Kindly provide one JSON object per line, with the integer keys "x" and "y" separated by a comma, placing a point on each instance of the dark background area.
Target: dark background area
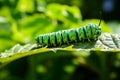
{"x": 90, "y": 8}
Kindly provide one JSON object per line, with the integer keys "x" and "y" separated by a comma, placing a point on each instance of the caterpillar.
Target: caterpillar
{"x": 54, "y": 39}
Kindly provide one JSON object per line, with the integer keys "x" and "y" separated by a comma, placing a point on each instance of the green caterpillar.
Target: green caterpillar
{"x": 86, "y": 33}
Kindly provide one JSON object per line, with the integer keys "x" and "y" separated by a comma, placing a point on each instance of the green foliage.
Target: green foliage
{"x": 25, "y": 5}
{"x": 66, "y": 14}
{"x": 98, "y": 57}
{"x": 22, "y": 20}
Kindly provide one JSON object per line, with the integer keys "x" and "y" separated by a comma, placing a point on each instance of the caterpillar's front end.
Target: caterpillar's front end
{"x": 97, "y": 32}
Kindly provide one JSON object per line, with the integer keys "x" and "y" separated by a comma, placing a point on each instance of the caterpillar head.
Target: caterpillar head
{"x": 95, "y": 30}
{"x": 98, "y": 30}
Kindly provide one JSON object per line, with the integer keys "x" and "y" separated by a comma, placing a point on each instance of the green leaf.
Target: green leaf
{"x": 106, "y": 42}
{"x": 66, "y": 14}
{"x": 25, "y": 6}
{"x": 115, "y": 26}
{"x": 34, "y": 25}
{"x": 6, "y": 43}
{"x": 5, "y": 34}
{"x": 5, "y": 28}
{"x": 97, "y": 56}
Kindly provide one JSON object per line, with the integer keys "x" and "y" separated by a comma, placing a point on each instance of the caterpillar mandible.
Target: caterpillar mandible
{"x": 54, "y": 39}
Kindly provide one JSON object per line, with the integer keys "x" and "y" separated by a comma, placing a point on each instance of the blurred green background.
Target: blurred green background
{"x": 22, "y": 20}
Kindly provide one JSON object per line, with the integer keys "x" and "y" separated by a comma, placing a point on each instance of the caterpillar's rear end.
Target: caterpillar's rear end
{"x": 86, "y": 33}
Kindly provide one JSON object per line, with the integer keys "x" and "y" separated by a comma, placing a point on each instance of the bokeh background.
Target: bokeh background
{"x": 22, "y": 20}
